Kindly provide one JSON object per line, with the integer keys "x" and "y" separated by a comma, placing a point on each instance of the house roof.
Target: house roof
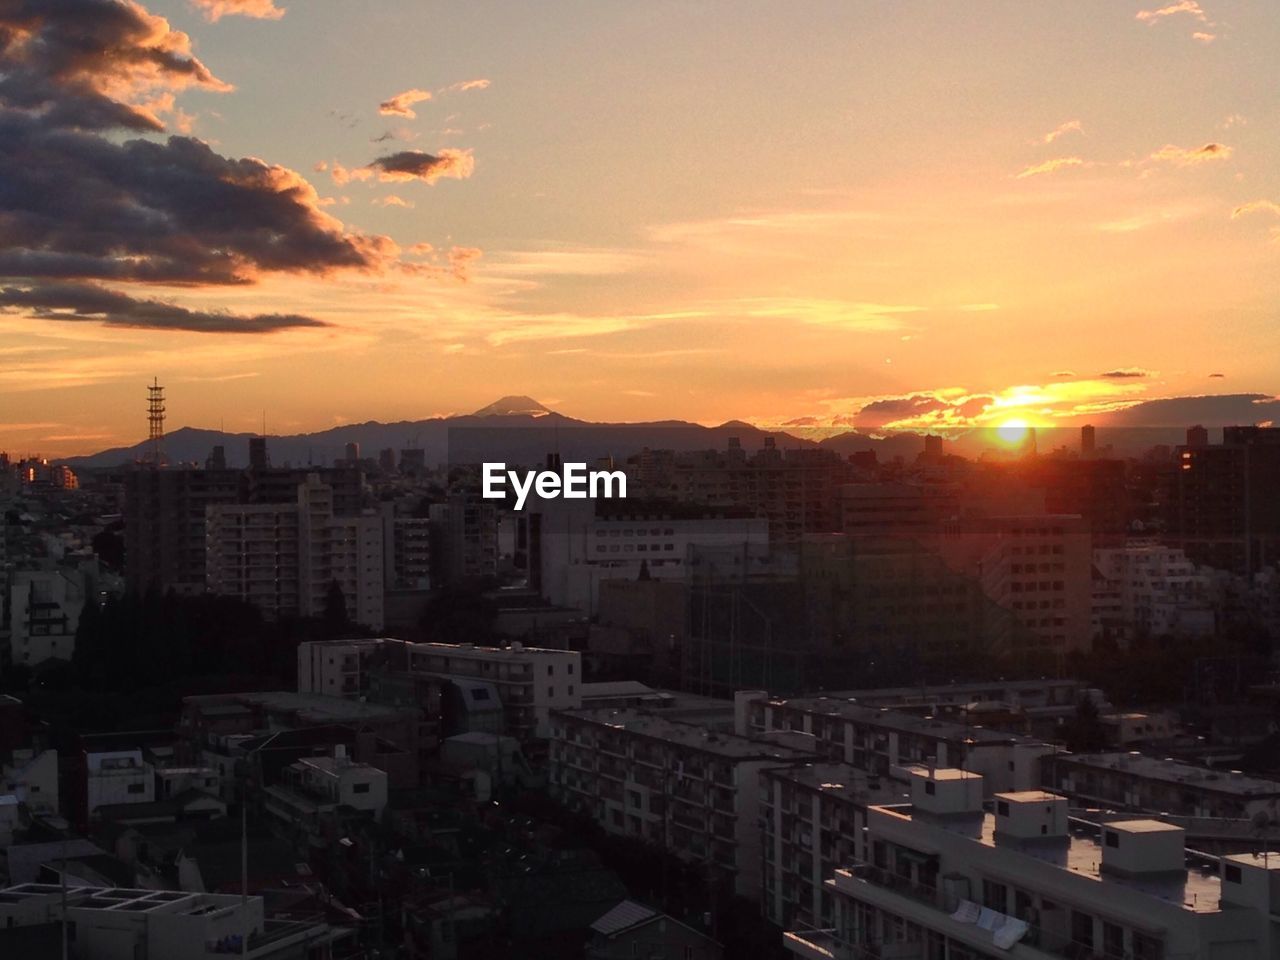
{"x": 626, "y": 914}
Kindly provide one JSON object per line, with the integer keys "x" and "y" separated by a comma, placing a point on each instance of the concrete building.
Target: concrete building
{"x": 32, "y": 778}
{"x": 1131, "y": 781}
{"x": 1037, "y": 566}
{"x": 632, "y": 930}
{"x": 317, "y": 794}
{"x": 895, "y": 511}
{"x": 43, "y": 612}
{"x": 1160, "y": 591}
{"x": 117, "y": 777}
{"x": 891, "y": 744}
{"x": 813, "y": 819}
{"x": 336, "y": 668}
{"x": 581, "y": 544}
{"x": 948, "y": 880}
{"x": 121, "y": 924}
{"x": 676, "y": 785}
{"x": 283, "y": 558}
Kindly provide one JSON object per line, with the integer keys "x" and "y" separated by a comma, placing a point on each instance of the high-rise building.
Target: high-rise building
{"x": 284, "y": 558}
{"x": 258, "y": 459}
{"x": 1088, "y": 440}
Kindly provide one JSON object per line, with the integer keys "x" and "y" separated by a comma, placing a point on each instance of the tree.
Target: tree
{"x": 335, "y": 618}
{"x": 1085, "y": 732}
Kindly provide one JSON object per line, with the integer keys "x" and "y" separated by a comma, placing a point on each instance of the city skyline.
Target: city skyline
{"x": 893, "y": 218}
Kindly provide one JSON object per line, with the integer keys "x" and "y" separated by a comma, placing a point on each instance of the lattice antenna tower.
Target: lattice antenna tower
{"x": 155, "y": 421}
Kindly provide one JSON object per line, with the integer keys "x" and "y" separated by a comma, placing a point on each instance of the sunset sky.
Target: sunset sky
{"x": 910, "y": 214}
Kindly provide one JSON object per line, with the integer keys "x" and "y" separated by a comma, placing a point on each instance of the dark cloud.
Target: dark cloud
{"x": 94, "y": 64}
{"x": 86, "y": 301}
{"x": 1214, "y": 376}
{"x": 420, "y": 165}
{"x": 77, "y": 203}
{"x": 1125, "y": 373}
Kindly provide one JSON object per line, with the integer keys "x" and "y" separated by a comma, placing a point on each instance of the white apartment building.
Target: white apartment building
{"x": 948, "y": 880}
{"x": 1132, "y": 781}
{"x": 337, "y": 668}
{"x": 813, "y": 819}
{"x": 531, "y": 681}
{"x": 32, "y": 778}
{"x": 283, "y": 557}
{"x": 120, "y": 924}
{"x": 579, "y": 547}
{"x": 42, "y": 613}
{"x": 313, "y": 790}
{"x": 690, "y": 790}
{"x": 890, "y": 743}
{"x": 118, "y": 776}
{"x": 1158, "y": 591}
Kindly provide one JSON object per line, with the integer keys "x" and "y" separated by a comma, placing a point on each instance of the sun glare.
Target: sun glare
{"x": 1013, "y": 433}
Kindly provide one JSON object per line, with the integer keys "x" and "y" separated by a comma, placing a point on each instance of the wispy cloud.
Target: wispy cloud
{"x": 401, "y": 105}
{"x": 391, "y": 200}
{"x": 215, "y": 10}
{"x": 1203, "y": 37}
{"x": 847, "y": 315}
{"x": 1189, "y": 7}
{"x": 1071, "y": 126}
{"x": 1050, "y": 166}
{"x": 1126, "y": 373}
{"x": 465, "y": 85}
{"x": 1190, "y": 156}
{"x": 1255, "y": 206}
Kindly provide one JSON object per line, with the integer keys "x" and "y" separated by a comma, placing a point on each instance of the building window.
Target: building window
{"x": 360, "y": 788}
{"x": 1231, "y": 873}
{"x": 1113, "y": 839}
{"x": 930, "y": 787}
{"x": 137, "y": 788}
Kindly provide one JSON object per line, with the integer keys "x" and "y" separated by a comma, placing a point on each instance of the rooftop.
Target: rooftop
{"x": 1175, "y": 771}
{"x": 840, "y": 779}
{"x": 314, "y": 707}
{"x": 1198, "y": 889}
{"x": 686, "y": 734}
{"x": 898, "y": 720}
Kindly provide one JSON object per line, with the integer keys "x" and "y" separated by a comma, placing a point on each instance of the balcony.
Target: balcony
{"x": 813, "y": 944}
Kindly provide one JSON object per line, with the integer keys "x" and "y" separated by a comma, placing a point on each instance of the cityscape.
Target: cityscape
{"x": 667, "y": 481}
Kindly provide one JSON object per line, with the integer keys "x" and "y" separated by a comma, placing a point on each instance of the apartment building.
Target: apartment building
{"x": 31, "y": 776}
{"x": 1131, "y": 781}
{"x": 336, "y": 668}
{"x": 530, "y": 681}
{"x": 813, "y": 819}
{"x": 581, "y": 544}
{"x": 42, "y": 613}
{"x": 1159, "y": 590}
{"x": 168, "y": 924}
{"x": 116, "y": 777}
{"x": 690, "y": 790}
{"x": 1037, "y": 566}
{"x": 947, "y": 879}
{"x": 318, "y": 794}
{"x": 889, "y": 743}
{"x": 284, "y": 558}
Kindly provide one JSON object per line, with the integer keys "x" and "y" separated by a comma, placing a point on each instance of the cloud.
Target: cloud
{"x": 1255, "y": 206}
{"x": 94, "y": 64}
{"x": 1216, "y": 376}
{"x": 1126, "y": 373}
{"x": 1190, "y": 157}
{"x": 1189, "y": 7}
{"x": 848, "y": 315}
{"x": 1063, "y": 373}
{"x": 465, "y": 85}
{"x": 90, "y": 302}
{"x": 401, "y": 105}
{"x": 80, "y": 206}
{"x": 1050, "y": 166}
{"x": 419, "y": 165}
{"x": 1071, "y": 126}
{"x": 215, "y": 10}
{"x": 391, "y": 200}
{"x": 1204, "y": 37}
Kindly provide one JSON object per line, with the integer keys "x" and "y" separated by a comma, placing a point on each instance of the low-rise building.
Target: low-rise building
{"x": 167, "y": 924}
{"x": 32, "y": 777}
{"x": 117, "y": 776}
{"x": 889, "y": 743}
{"x": 1131, "y": 781}
{"x": 690, "y": 790}
{"x": 948, "y": 879}
{"x": 813, "y": 819}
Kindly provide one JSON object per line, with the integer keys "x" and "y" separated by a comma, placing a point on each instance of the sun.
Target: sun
{"x": 1013, "y": 433}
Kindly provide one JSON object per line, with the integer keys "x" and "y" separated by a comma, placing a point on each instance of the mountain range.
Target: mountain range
{"x": 520, "y": 430}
